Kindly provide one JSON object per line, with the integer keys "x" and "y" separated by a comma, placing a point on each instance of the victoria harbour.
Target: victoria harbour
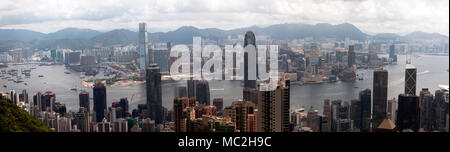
{"x": 302, "y": 96}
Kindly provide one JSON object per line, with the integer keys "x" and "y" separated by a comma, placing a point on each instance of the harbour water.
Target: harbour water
{"x": 431, "y": 72}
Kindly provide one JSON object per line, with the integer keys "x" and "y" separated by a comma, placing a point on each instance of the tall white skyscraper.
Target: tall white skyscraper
{"x": 143, "y": 46}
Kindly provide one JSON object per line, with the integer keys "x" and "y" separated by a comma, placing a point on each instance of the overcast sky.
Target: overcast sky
{"x": 371, "y": 16}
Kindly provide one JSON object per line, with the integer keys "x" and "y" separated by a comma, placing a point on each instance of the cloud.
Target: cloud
{"x": 374, "y": 16}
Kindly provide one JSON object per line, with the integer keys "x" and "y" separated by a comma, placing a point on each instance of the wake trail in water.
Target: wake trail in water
{"x": 424, "y": 72}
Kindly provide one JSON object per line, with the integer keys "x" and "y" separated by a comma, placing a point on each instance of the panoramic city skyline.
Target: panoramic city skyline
{"x": 219, "y": 75}
{"x": 286, "y": 77}
{"x": 370, "y": 16}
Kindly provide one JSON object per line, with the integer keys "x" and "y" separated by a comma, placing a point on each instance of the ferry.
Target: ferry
{"x": 67, "y": 72}
{"x": 74, "y": 89}
{"x": 41, "y": 76}
{"x": 444, "y": 87}
{"x": 300, "y": 110}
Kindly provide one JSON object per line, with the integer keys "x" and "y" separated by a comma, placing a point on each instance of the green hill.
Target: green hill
{"x": 14, "y": 119}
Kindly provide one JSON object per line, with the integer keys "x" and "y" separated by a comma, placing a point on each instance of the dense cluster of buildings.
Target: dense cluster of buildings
{"x": 270, "y": 113}
{"x": 310, "y": 64}
{"x": 373, "y": 112}
{"x": 15, "y": 55}
{"x": 257, "y": 111}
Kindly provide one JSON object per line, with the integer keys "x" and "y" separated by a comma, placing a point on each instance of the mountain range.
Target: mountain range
{"x": 76, "y": 38}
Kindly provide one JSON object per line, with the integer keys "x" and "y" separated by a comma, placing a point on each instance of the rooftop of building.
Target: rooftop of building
{"x": 387, "y": 124}
{"x": 410, "y": 66}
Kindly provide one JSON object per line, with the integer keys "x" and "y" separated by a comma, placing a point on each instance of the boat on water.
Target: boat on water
{"x": 74, "y": 89}
{"x": 302, "y": 109}
{"x": 444, "y": 87}
{"x": 5, "y": 86}
{"x": 25, "y": 84}
{"x": 41, "y": 76}
{"x": 67, "y": 72}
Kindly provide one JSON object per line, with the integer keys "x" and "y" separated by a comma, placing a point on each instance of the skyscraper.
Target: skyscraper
{"x": 177, "y": 113}
{"x": 410, "y": 79}
{"x": 179, "y": 104}
{"x": 313, "y": 120}
{"x": 81, "y": 119}
{"x": 335, "y": 106}
{"x": 242, "y": 109}
{"x": 24, "y": 96}
{"x": 191, "y": 87}
{"x": 121, "y": 108}
{"x": 441, "y": 101}
{"x": 249, "y": 40}
{"x": 99, "y": 101}
{"x": 365, "y": 98}
{"x": 392, "y": 109}
{"x": 341, "y": 116}
{"x": 392, "y": 53}
{"x": 351, "y": 56}
{"x": 380, "y": 88}
{"x": 49, "y": 100}
{"x": 252, "y": 121}
{"x": 154, "y": 99}
{"x": 408, "y": 112}
{"x": 314, "y": 58}
{"x": 355, "y": 112}
{"x": 143, "y": 46}
{"x": 327, "y": 113}
{"x": 202, "y": 92}
{"x": 250, "y": 94}
{"x": 84, "y": 100}
{"x": 160, "y": 56}
{"x": 218, "y": 102}
{"x": 37, "y": 99}
{"x": 427, "y": 109}
{"x": 273, "y": 109}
